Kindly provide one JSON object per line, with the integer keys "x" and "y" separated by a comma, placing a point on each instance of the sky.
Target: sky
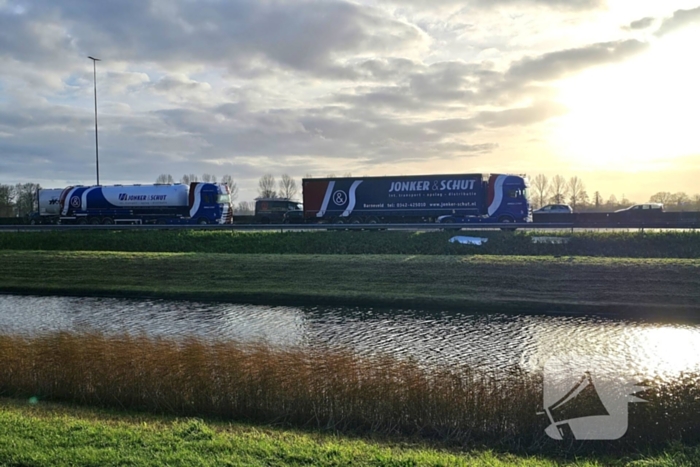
{"x": 606, "y": 90}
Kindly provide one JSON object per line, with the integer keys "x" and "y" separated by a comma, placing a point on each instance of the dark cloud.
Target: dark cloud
{"x": 680, "y": 19}
{"x": 641, "y": 23}
{"x": 303, "y": 35}
{"x": 563, "y": 63}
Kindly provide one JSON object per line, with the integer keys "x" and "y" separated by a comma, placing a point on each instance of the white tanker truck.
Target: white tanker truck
{"x": 198, "y": 203}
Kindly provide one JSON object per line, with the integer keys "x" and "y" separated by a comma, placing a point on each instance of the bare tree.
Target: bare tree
{"x": 347, "y": 174}
{"x": 266, "y": 186}
{"x": 208, "y": 178}
{"x": 308, "y": 176}
{"x": 287, "y": 187}
{"x": 661, "y": 197}
{"x": 541, "y": 186}
{"x": 165, "y": 179}
{"x": 7, "y": 196}
{"x": 232, "y": 186}
{"x": 577, "y": 192}
{"x": 244, "y": 207}
{"x": 558, "y": 189}
{"x": 26, "y": 198}
{"x": 187, "y": 179}
{"x": 611, "y": 203}
{"x": 330, "y": 175}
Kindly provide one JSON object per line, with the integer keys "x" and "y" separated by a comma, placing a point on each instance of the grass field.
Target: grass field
{"x": 60, "y": 435}
{"x": 607, "y": 244}
{"x": 500, "y": 283}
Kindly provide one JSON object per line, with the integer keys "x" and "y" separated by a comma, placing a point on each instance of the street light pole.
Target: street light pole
{"x": 97, "y": 154}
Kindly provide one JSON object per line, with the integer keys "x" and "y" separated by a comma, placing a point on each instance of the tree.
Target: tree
{"x": 287, "y": 187}
{"x": 232, "y": 186}
{"x": 244, "y": 207}
{"x": 266, "y": 186}
{"x": 661, "y": 197}
{"x": 187, "y": 179}
{"x": 209, "y": 178}
{"x": 611, "y": 203}
{"x": 597, "y": 199}
{"x": 577, "y": 192}
{"x": 165, "y": 179}
{"x": 26, "y": 198}
{"x": 680, "y": 199}
{"x": 541, "y": 185}
{"x": 7, "y": 197}
{"x": 558, "y": 189}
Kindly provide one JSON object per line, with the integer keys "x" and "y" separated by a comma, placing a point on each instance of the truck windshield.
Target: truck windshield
{"x": 223, "y": 199}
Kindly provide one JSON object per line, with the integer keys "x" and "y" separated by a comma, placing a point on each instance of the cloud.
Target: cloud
{"x": 553, "y": 4}
{"x": 304, "y": 35}
{"x": 642, "y": 23}
{"x": 680, "y": 19}
{"x": 555, "y": 65}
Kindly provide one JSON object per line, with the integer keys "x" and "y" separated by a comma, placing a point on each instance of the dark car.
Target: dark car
{"x": 273, "y": 210}
{"x": 555, "y": 209}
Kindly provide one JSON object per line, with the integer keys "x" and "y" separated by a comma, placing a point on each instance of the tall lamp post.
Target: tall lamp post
{"x": 94, "y": 80}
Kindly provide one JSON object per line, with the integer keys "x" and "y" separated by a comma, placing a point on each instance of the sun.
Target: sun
{"x": 638, "y": 115}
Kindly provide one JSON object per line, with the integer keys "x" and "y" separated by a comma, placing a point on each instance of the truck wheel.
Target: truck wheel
{"x": 32, "y": 222}
{"x": 203, "y": 221}
{"x": 339, "y": 220}
{"x": 82, "y": 221}
{"x": 506, "y": 220}
{"x": 94, "y": 220}
{"x": 108, "y": 221}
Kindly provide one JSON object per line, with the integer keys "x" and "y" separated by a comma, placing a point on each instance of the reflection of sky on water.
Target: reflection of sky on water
{"x": 489, "y": 341}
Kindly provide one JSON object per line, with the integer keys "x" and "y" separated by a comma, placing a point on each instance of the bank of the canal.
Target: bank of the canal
{"x": 665, "y": 287}
{"x": 45, "y": 434}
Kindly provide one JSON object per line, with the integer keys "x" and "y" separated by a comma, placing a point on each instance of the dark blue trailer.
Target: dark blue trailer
{"x": 417, "y": 198}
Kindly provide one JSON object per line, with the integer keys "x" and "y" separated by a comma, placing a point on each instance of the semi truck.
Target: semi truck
{"x": 196, "y": 203}
{"x": 49, "y": 206}
{"x": 450, "y": 198}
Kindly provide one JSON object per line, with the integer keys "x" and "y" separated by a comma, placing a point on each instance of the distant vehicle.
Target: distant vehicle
{"x": 646, "y": 208}
{"x": 198, "y": 203}
{"x": 275, "y": 210}
{"x": 49, "y": 206}
{"x": 555, "y": 209}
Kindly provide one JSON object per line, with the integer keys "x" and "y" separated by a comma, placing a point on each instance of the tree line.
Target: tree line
{"x": 559, "y": 190}
{"x": 18, "y": 200}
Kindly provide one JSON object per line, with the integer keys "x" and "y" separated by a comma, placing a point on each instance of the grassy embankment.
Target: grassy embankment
{"x": 55, "y": 435}
{"x": 499, "y": 283}
{"x": 606, "y": 244}
{"x": 317, "y": 389}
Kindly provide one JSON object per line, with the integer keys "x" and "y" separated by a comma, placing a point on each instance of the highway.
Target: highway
{"x": 409, "y": 227}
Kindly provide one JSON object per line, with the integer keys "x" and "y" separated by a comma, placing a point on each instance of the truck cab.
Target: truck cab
{"x": 277, "y": 211}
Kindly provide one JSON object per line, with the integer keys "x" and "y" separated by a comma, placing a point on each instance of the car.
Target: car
{"x": 555, "y": 209}
{"x": 642, "y": 209}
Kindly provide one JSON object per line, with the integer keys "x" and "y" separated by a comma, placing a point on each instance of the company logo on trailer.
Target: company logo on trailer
{"x": 127, "y": 197}
{"x": 425, "y": 185}
{"x": 75, "y": 201}
{"x": 340, "y": 198}
{"x": 53, "y": 201}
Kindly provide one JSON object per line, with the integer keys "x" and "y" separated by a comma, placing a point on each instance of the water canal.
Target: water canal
{"x": 488, "y": 341}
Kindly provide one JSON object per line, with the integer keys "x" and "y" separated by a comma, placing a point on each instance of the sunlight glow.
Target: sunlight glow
{"x": 638, "y": 115}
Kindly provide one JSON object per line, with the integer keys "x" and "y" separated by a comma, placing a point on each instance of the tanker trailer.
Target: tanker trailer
{"x": 198, "y": 203}
{"x": 49, "y": 206}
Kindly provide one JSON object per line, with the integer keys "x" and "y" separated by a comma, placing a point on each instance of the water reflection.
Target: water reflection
{"x": 491, "y": 341}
